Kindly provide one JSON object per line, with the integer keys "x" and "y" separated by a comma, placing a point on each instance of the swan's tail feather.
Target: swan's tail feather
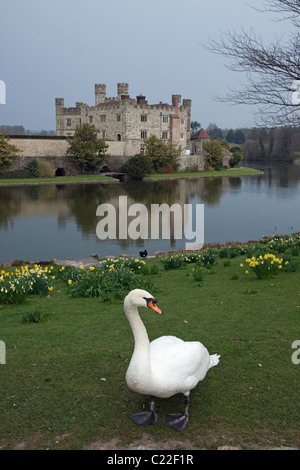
{"x": 214, "y": 360}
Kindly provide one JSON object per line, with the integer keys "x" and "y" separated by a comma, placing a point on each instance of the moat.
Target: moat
{"x": 58, "y": 221}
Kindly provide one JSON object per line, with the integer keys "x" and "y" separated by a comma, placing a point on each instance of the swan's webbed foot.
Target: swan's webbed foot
{"x": 177, "y": 421}
{"x": 147, "y": 417}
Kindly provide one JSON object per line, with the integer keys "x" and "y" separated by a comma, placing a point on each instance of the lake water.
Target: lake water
{"x": 58, "y": 221}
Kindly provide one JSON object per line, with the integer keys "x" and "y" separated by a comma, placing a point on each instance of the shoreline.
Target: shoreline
{"x": 242, "y": 171}
{"x": 230, "y": 172}
{"x": 58, "y": 182}
{"x": 93, "y": 259}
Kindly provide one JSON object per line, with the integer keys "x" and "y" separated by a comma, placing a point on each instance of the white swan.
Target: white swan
{"x": 165, "y": 366}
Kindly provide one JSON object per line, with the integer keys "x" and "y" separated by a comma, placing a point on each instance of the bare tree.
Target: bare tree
{"x": 272, "y": 71}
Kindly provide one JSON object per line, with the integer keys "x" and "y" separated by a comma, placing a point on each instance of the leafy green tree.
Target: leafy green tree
{"x": 7, "y": 151}
{"x": 239, "y": 137}
{"x": 161, "y": 154}
{"x": 214, "y": 132}
{"x": 137, "y": 167}
{"x": 32, "y": 168}
{"x": 214, "y": 151}
{"x": 86, "y": 149}
{"x": 236, "y": 137}
{"x": 195, "y": 126}
{"x": 236, "y": 156}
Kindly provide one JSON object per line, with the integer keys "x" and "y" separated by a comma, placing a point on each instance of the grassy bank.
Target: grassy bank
{"x": 95, "y": 178}
{"x": 57, "y": 179}
{"x": 63, "y": 384}
{"x": 243, "y": 171}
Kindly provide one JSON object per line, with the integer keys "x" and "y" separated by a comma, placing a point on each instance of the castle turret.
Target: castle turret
{"x": 122, "y": 90}
{"x": 100, "y": 93}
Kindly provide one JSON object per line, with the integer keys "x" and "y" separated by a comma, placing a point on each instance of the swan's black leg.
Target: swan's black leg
{"x": 147, "y": 417}
{"x": 179, "y": 421}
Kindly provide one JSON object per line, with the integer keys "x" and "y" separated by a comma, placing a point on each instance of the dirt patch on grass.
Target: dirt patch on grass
{"x": 148, "y": 443}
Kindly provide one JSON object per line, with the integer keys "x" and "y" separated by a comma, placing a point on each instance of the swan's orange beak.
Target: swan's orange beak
{"x": 154, "y": 307}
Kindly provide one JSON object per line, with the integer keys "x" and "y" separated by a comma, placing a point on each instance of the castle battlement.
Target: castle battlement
{"x": 129, "y": 120}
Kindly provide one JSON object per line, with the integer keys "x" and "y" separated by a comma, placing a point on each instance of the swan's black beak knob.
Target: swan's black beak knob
{"x": 151, "y": 303}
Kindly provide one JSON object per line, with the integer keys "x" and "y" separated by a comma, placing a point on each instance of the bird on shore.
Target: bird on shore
{"x": 164, "y": 367}
{"x": 143, "y": 254}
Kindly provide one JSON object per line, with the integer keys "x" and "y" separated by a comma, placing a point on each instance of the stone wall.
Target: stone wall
{"x": 53, "y": 150}
{"x": 191, "y": 162}
{"x": 50, "y": 149}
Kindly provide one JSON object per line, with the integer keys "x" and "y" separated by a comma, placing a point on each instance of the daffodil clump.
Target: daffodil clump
{"x": 265, "y": 266}
{"x": 110, "y": 282}
{"x": 16, "y": 285}
{"x": 134, "y": 265}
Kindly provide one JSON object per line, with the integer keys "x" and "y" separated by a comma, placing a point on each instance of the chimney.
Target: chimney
{"x": 176, "y": 99}
{"x": 141, "y": 100}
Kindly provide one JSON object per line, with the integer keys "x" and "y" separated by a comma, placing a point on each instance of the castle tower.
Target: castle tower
{"x": 100, "y": 93}
{"x": 122, "y": 90}
{"x": 59, "y": 107}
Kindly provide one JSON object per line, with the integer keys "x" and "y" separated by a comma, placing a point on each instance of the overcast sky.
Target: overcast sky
{"x": 61, "y": 48}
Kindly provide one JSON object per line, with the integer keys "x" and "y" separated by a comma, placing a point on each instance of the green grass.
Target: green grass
{"x": 242, "y": 171}
{"x": 94, "y": 178}
{"x": 58, "y": 179}
{"x": 51, "y": 383}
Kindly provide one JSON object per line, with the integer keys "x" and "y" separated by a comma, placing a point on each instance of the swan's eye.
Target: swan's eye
{"x": 151, "y": 303}
{"x": 150, "y": 299}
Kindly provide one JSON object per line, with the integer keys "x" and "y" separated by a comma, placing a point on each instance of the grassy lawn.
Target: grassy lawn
{"x": 58, "y": 179}
{"x": 63, "y": 384}
{"x": 243, "y": 171}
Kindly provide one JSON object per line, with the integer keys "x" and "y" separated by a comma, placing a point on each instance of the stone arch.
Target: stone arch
{"x": 105, "y": 169}
{"x": 60, "y": 172}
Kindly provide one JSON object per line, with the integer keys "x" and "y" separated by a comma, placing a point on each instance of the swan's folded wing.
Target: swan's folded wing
{"x": 180, "y": 363}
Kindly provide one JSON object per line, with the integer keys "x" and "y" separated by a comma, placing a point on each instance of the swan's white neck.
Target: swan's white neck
{"x": 140, "y": 360}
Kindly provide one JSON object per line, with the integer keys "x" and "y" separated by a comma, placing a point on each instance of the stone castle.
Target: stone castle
{"x": 125, "y": 122}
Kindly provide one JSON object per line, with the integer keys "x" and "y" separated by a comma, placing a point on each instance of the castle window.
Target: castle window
{"x": 182, "y": 122}
{"x": 165, "y": 119}
{"x": 69, "y": 121}
{"x": 118, "y": 117}
{"x": 164, "y": 135}
{"x": 103, "y": 118}
{"x": 103, "y": 133}
{"x": 119, "y": 137}
{"x": 144, "y": 117}
{"x": 142, "y": 149}
{"x": 91, "y": 119}
{"x": 182, "y": 136}
{"x": 143, "y": 134}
